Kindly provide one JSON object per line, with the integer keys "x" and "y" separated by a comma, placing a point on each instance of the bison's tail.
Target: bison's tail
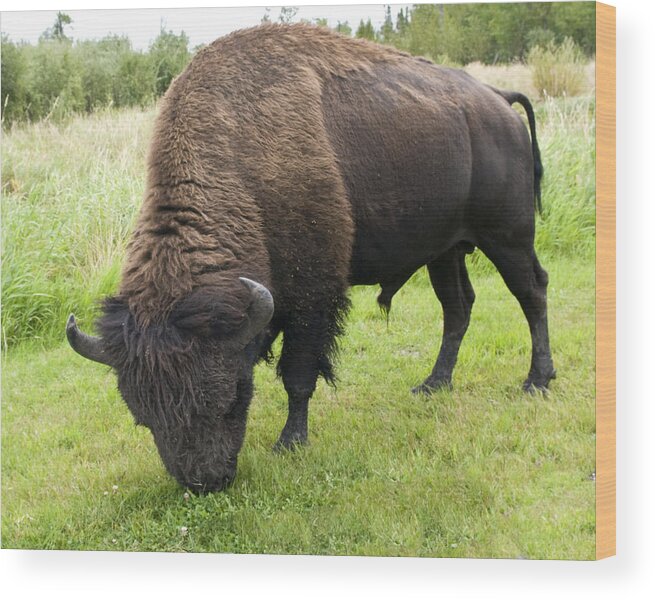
{"x": 511, "y": 98}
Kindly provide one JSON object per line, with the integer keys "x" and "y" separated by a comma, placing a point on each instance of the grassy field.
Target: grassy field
{"x": 485, "y": 470}
{"x": 482, "y": 471}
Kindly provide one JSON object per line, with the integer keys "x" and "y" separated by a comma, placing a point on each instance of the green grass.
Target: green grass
{"x": 484, "y": 470}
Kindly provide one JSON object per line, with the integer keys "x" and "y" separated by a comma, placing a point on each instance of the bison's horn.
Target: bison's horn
{"x": 88, "y": 346}
{"x": 261, "y": 308}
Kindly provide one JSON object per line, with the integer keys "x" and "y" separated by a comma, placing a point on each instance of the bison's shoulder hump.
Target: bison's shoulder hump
{"x": 299, "y": 45}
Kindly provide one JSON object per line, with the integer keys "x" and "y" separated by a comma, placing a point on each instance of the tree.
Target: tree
{"x": 169, "y": 54}
{"x": 489, "y": 33}
{"x": 402, "y": 21}
{"x": 58, "y": 27}
{"x": 55, "y": 81}
{"x": 56, "y": 32}
{"x": 287, "y": 14}
{"x": 387, "y": 31}
{"x": 344, "y": 28}
{"x": 365, "y": 30}
{"x": 134, "y": 82}
{"x": 576, "y": 20}
{"x": 424, "y": 31}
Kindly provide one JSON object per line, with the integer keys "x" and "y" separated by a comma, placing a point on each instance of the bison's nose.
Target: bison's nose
{"x": 210, "y": 485}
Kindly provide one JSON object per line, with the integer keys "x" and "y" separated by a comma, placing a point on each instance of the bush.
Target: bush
{"x": 169, "y": 55}
{"x": 55, "y": 87}
{"x": 13, "y": 77}
{"x": 539, "y": 37}
{"x": 58, "y": 77}
{"x": 135, "y": 83}
{"x": 557, "y": 70}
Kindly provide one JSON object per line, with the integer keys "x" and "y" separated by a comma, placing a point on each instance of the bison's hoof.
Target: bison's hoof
{"x": 290, "y": 443}
{"x": 532, "y": 387}
{"x": 428, "y": 386}
{"x": 532, "y": 384}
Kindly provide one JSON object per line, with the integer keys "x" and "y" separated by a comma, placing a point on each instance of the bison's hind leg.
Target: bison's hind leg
{"x": 452, "y": 286}
{"x": 528, "y": 281}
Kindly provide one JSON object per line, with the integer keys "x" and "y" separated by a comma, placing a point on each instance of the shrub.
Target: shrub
{"x": 557, "y": 70}
{"x": 14, "y": 83}
{"x": 58, "y": 77}
{"x": 135, "y": 83}
{"x": 97, "y": 71}
{"x": 539, "y": 37}
{"x": 169, "y": 55}
{"x": 54, "y": 84}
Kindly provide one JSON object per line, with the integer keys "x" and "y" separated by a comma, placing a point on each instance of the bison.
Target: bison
{"x": 287, "y": 164}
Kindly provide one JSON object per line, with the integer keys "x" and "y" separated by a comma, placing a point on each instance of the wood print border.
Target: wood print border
{"x": 605, "y": 280}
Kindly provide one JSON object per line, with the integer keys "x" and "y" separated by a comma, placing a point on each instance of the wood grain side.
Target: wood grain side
{"x": 605, "y": 280}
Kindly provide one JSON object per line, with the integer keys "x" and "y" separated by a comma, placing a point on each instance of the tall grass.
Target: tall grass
{"x": 69, "y": 195}
{"x": 567, "y": 135}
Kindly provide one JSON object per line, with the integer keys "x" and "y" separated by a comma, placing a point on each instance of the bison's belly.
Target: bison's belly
{"x": 401, "y": 226}
{"x": 392, "y": 249}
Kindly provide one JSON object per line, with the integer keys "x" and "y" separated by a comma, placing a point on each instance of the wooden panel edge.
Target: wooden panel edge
{"x": 605, "y": 280}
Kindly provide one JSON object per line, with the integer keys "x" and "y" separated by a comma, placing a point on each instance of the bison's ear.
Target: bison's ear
{"x": 238, "y": 311}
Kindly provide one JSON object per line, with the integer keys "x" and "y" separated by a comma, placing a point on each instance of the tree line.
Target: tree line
{"x": 59, "y": 76}
{"x": 486, "y": 33}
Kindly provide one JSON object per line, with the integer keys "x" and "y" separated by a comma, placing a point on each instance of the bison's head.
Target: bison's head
{"x": 188, "y": 379}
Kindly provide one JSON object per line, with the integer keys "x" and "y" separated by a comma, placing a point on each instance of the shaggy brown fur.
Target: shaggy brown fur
{"x": 309, "y": 162}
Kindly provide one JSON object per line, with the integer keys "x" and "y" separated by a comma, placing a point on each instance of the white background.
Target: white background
{"x": 629, "y": 575}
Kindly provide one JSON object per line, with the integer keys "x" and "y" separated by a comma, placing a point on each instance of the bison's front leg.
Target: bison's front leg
{"x": 295, "y": 429}
{"x": 299, "y": 370}
{"x": 309, "y": 340}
